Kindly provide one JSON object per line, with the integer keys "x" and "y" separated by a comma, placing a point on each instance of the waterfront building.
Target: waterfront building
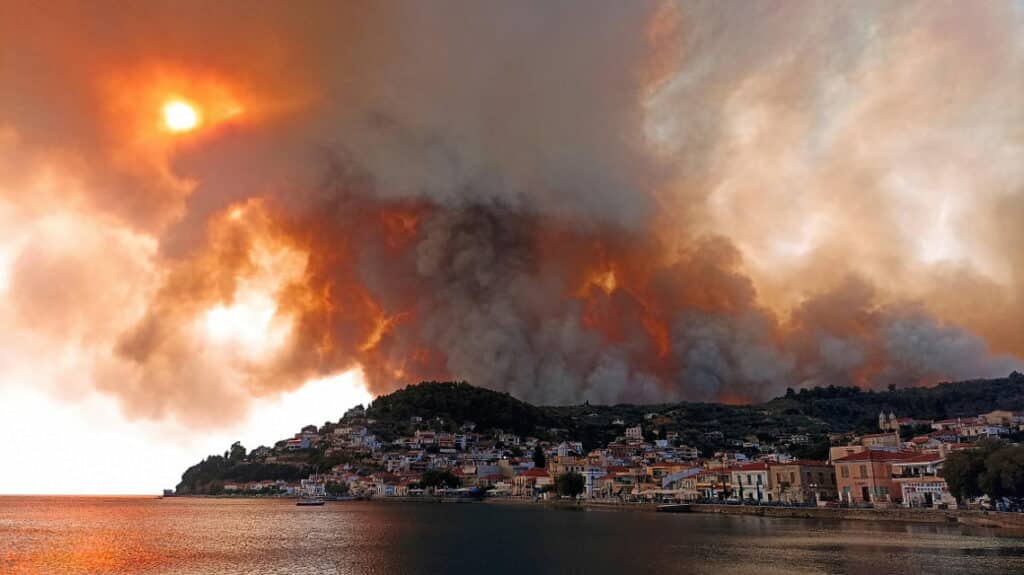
{"x": 866, "y": 477}
{"x": 530, "y": 481}
{"x": 751, "y": 483}
{"x": 928, "y": 491}
{"x": 803, "y": 482}
{"x": 920, "y": 482}
{"x": 715, "y": 484}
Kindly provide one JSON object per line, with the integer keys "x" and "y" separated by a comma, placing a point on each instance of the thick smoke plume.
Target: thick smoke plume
{"x": 642, "y": 201}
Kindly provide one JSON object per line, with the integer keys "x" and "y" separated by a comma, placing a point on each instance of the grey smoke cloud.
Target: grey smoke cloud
{"x": 642, "y": 201}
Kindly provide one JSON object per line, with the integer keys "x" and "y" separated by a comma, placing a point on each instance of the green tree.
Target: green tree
{"x": 435, "y": 478}
{"x": 237, "y": 452}
{"x": 961, "y": 471}
{"x": 570, "y": 484}
{"x": 336, "y": 488}
{"x": 816, "y": 449}
{"x": 540, "y": 461}
{"x": 217, "y": 487}
{"x": 1004, "y": 473}
{"x": 964, "y": 469}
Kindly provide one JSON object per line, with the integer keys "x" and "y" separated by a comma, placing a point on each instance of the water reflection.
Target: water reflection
{"x": 193, "y": 536}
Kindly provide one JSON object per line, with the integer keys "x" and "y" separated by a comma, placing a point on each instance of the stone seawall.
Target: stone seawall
{"x": 895, "y": 514}
{"x": 1010, "y": 521}
{"x": 1013, "y": 521}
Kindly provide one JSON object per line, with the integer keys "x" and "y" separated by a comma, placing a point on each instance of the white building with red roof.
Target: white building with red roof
{"x": 528, "y": 482}
{"x": 750, "y": 482}
{"x": 920, "y": 482}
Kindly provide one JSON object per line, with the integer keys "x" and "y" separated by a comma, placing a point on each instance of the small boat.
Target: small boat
{"x": 309, "y": 502}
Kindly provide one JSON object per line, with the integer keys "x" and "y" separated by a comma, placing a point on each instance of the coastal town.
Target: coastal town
{"x": 900, "y": 465}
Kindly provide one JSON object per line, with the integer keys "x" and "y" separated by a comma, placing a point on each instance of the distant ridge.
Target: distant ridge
{"x": 804, "y": 418}
{"x": 854, "y": 409}
{"x": 460, "y": 402}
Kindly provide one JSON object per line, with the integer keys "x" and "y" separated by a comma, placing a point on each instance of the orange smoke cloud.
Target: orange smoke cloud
{"x": 647, "y": 202}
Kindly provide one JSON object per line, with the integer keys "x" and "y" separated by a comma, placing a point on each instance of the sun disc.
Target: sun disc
{"x": 180, "y": 116}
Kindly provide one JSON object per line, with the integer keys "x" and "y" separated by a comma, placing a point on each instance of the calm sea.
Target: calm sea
{"x": 198, "y": 536}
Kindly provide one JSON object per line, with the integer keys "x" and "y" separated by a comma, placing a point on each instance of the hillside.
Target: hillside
{"x": 458, "y": 402}
{"x": 853, "y": 409}
{"x": 798, "y": 422}
{"x": 810, "y": 411}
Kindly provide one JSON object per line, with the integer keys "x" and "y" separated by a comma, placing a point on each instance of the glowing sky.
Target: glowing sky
{"x": 225, "y": 221}
{"x": 86, "y": 446}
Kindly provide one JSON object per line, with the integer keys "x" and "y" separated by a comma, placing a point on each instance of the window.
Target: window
{"x": 792, "y": 477}
{"x": 863, "y": 471}
{"x": 845, "y": 471}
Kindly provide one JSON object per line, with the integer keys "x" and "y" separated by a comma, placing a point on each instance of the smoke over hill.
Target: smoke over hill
{"x": 644, "y": 201}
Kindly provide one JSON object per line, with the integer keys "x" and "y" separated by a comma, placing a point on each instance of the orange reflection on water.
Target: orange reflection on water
{"x": 77, "y": 536}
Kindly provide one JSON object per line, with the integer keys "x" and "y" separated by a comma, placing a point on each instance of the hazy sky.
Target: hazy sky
{"x": 224, "y": 221}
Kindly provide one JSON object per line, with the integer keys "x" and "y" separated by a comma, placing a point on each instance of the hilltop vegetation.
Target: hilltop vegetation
{"x": 458, "y": 402}
{"x": 800, "y": 422}
{"x": 814, "y": 412}
{"x": 209, "y": 475}
{"x": 447, "y": 405}
{"x": 853, "y": 409}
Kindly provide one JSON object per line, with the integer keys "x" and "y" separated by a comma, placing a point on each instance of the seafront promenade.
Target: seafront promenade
{"x": 1013, "y": 521}
{"x": 1009, "y": 521}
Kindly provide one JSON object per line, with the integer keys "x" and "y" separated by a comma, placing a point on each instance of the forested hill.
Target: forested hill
{"x": 836, "y": 409}
{"x": 853, "y": 409}
{"x": 460, "y": 402}
{"x": 798, "y": 422}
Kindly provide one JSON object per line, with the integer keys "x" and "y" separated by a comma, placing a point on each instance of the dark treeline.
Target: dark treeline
{"x": 459, "y": 402}
{"x": 854, "y": 409}
{"x": 799, "y": 421}
{"x": 208, "y": 476}
{"x": 995, "y": 469}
